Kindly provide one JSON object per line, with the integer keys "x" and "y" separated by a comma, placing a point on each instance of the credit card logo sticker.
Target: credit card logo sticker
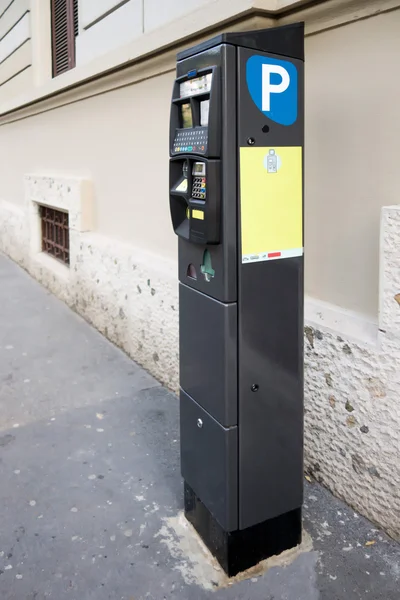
{"x": 272, "y": 85}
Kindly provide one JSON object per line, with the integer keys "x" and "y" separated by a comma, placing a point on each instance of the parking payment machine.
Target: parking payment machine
{"x": 236, "y": 201}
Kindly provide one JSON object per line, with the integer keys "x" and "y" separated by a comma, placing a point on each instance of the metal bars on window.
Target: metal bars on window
{"x": 55, "y": 233}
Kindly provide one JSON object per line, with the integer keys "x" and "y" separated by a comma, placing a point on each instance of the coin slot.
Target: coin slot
{"x": 191, "y": 272}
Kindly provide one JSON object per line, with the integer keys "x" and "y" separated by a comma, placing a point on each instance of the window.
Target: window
{"x": 64, "y": 29}
{"x": 55, "y": 233}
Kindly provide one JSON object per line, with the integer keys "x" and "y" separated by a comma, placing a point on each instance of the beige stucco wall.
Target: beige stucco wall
{"x": 105, "y": 138}
{"x": 352, "y": 132}
{"x": 351, "y": 157}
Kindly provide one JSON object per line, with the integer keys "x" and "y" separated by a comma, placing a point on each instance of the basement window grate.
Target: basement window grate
{"x": 55, "y": 233}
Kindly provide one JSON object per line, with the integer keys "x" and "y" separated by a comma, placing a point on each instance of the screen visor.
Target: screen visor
{"x": 199, "y": 85}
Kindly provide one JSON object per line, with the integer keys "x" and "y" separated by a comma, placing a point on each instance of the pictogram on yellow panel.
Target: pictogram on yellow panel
{"x": 271, "y": 200}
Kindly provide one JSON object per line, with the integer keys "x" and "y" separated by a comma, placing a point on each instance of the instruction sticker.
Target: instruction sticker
{"x": 182, "y": 186}
{"x": 271, "y": 203}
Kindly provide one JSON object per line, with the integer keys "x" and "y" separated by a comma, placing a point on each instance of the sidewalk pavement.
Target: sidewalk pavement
{"x": 91, "y": 493}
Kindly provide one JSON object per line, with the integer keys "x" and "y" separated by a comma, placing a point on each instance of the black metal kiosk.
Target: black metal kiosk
{"x": 236, "y": 200}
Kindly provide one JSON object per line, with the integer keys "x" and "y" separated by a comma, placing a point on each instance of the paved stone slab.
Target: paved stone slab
{"x": 91, "y": 493}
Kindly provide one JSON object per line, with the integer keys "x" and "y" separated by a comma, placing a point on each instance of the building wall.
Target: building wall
{"x": 351, "y": 156}
{"x": 16, "y": 72}
{"x": 104, "y": 138}
{"x": 344, "y": 191}
{"x": 86, "y": 151}
{"x": 109, "y": 24}
{"x": 111, "y": 33}
{"x": 157, "y": 14}
{"x": 105, "y": 26}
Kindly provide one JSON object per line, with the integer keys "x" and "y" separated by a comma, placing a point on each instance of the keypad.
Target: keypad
{"x": 199, "y": 188}
{"x": 191, "y": 140}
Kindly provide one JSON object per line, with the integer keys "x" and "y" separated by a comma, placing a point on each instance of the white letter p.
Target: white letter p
{"x": 268, "y": 88}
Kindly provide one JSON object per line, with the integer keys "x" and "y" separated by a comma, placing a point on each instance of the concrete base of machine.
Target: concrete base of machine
{"x": 239, "y": 550}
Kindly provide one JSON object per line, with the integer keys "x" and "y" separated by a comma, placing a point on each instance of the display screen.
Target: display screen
{"x": 187, "y": 119}
{"x": 199, "y": 168}
{"x": 204, "y": 112}
{"x": 198, "y": 85}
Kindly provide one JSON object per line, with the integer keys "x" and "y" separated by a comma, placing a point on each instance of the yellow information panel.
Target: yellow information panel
{"x": 271, "y": 203}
